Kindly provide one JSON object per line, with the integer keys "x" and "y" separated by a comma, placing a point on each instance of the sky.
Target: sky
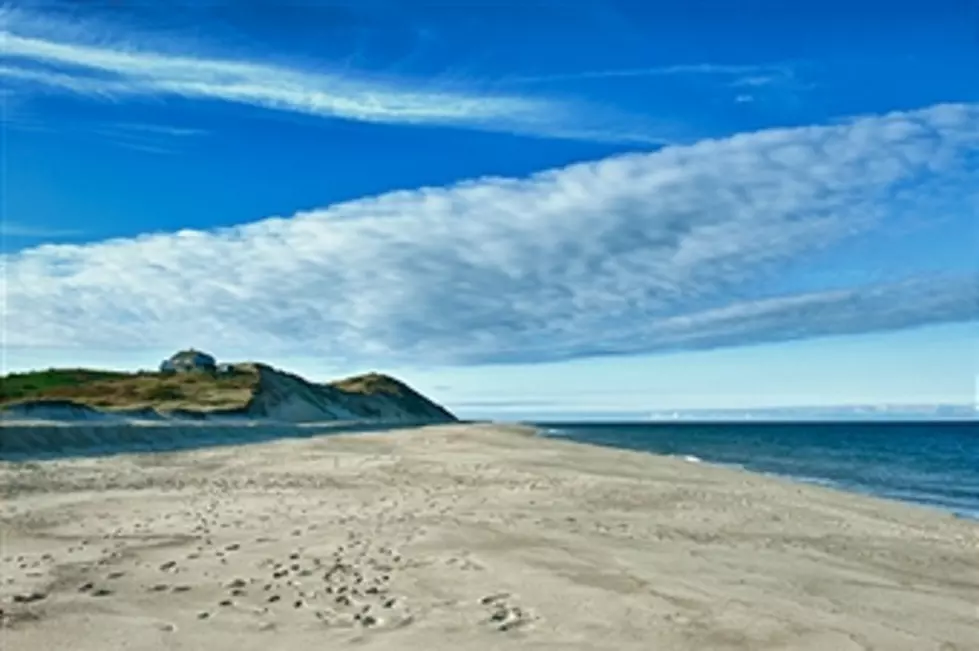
{"x": 526, "y": 209}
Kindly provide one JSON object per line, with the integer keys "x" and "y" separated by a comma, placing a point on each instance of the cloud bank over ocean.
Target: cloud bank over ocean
{"x": 674, "y": 249}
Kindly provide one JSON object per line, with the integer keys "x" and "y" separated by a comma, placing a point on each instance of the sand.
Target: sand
{"x": 471, "y": 537}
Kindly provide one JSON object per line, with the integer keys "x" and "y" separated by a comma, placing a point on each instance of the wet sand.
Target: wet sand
{"x": 474, "y": 537}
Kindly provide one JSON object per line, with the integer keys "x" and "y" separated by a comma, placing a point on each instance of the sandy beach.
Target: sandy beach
{"x": 472, "y": 537}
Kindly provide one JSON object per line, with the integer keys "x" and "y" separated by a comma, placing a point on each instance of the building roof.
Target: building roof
{"x": 190, "y": 355}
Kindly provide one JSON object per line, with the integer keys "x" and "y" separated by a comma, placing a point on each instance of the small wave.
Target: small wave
{"x": 690, "y": 458}
{"x": 553, "y": 431}
{"x": 815, "y": 481}
{"x": 732, "y": 466}
{"x": 967, "y": 514}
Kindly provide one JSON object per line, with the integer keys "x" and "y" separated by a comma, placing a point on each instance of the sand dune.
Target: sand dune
{"x": 469, "y": 537}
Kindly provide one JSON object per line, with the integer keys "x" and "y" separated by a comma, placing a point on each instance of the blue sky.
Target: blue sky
{"x": 531, "y": 207}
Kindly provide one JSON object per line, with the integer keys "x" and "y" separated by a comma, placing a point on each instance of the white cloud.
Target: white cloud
{"x": 675, "y": 249}
{"x": 248, "y": 83}
{"x": 39, "y": 53}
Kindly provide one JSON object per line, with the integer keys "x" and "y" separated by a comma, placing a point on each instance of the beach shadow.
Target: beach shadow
{"x": 25, "y": 443}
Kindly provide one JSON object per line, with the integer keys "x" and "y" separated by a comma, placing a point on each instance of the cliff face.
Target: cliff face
{"x": 286, "y": 397}
{"x": 254, "y": 391}
{"x": 377, "y": 396}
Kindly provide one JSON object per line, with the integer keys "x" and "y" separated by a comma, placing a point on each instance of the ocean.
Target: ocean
{"x": 935, "y": 464}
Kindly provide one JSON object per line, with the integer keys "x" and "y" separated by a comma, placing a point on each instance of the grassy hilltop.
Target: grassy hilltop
{"x": 366, "y": 395}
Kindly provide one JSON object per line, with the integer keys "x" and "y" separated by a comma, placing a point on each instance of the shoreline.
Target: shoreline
{"x": 486, "y": 534}
{"x": 960, "y": 507}
{"x": 971, "y": 516}
{"x": 30, "y": 440}
{"x": 782, "y": 478}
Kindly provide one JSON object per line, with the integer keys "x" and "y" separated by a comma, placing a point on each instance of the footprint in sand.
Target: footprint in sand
{"x": 366, "y": 621}
{"x": 29, "y": 598}
{"x": 494, "y": 598}
{"x": 503, "y": 615}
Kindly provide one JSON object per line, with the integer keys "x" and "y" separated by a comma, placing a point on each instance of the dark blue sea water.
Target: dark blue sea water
{"x": 930, "y": 463}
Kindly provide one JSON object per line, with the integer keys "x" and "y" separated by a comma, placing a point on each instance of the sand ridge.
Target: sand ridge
{"x": 473, "y": 536}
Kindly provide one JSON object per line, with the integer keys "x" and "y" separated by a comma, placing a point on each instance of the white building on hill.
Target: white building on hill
{"x": 189, "y": 360}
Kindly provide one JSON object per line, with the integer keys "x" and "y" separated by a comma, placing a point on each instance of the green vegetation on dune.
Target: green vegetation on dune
{"x": 370, "y": 383}
{"x": 117, "y": 390}
{"x": 241, "y": 388}
{"x": 33, "y": 384}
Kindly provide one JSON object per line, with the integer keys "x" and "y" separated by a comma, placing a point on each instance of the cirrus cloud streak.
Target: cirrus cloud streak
{"x": 42, "y": 54}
